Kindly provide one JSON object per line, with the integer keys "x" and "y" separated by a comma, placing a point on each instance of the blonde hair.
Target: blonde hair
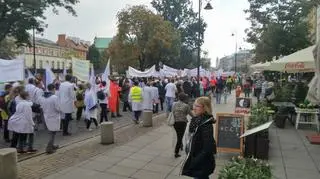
{"x": 206, "y": 103}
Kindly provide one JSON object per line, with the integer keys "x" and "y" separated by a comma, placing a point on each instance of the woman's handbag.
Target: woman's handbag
{"x": 170, "y": 120}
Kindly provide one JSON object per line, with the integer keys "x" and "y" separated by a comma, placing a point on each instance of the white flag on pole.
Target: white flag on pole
{"x": 92, "y": 79}
{"x": 106, "y": 74}
{"x": 50, "y": 76}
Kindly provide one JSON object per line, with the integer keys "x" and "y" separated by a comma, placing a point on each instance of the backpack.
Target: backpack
{"x": 101, "y": 95}
{"x": 79, "y": 96}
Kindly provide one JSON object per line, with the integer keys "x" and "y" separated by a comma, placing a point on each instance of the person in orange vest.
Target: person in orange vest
{"x": 238, "y": 91}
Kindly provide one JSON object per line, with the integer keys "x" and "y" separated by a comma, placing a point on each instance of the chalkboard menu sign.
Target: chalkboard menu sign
{"x": 243, "y": 105}
{"x": 229, "y": 128}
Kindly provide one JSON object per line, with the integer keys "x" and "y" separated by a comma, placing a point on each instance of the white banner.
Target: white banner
{"x": 81, "y": 69}
{"x": 11, "y": 70}
{"x": 136, "y": 73}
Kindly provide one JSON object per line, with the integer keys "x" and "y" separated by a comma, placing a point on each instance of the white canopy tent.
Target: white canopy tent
{"x": 300, "y": 61}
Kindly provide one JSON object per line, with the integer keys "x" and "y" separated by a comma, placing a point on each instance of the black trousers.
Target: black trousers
{"x": 156, "y": 108}
{"x": 89, "y": 122}
{"x": 79, "y": 113}
{"x": 126, "y": 106}
{"x": 65, "y": 125}
{"x": 104, "y": 112}
{"x": 5, "y": 130}
{"x": 137, "y": 115}
{"x": 161, "y": 102}
{"x": 19, "y": 140}
{"x": 180, "y": 128}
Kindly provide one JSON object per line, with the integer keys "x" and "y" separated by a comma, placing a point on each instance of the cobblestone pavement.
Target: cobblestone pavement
{"x": 43, "y": 165}
{"x": 78, "y": 130}
{"x": 137, "y": 153}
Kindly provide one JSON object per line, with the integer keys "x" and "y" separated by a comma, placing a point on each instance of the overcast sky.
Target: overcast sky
{"x": 98, "y": 18}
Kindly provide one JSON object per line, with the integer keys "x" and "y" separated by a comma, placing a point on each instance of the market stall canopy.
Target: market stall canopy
{"x": 314, "y": 86}
{"x": 300, "y": 61}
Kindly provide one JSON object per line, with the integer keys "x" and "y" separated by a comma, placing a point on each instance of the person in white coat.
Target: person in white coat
{"x": 66, "y": 97}
{"x": 148, "y": 97}
{"x": 30, "y": 88}
{"x": 51, "y": 112}
{"x": 21, "y": 124}
{"x": 91, "y": 103}
{"x": 155, "y": 93}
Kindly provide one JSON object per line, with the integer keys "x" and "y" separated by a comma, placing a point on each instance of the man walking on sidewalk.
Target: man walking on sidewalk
{"x": 51, "y": 112}
{"x": 66, "y": 97}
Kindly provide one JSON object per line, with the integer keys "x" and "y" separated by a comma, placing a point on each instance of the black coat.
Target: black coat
{"x": 200, "y": 160}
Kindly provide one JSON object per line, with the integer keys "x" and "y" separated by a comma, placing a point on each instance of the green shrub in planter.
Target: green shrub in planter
{"x": 259, "y": 115}
{"x": 246, "y": 168}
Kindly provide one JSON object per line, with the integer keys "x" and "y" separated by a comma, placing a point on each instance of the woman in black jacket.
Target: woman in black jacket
{"x": 200, "y": 161}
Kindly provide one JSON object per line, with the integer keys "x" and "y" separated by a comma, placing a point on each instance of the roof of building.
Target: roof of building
{"x": 102, "y": 42}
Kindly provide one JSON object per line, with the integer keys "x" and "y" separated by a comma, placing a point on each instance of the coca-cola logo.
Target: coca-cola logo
{"x": 298, "y": 65}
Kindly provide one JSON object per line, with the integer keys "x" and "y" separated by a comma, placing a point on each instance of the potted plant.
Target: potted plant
{"x": 281, "y": 116}
{"x": 257, "y": 144}
{"x": 245, "y": 168}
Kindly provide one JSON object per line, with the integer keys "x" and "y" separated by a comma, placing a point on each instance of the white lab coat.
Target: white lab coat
{"x": 155, "y": 93}
{"x": 136, "y": 106}
{"x": 90, "y": 100}
{"x": 148, "y": 98}
{"x": 21, "y": 121}
{"x": 38, "y": 94}
{"x": 66, "y": 97}
{"x": 51, "y": 112}
{"x": 30, "y": 89}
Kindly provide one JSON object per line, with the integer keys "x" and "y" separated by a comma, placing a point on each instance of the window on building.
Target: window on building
{"x": 62, "y": 65}
{"x": 58, "y": 65}
{"x": 52, "y": 64}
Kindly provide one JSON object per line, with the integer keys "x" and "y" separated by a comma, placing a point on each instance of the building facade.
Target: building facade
{"x": 57, "y": 55}
{"x": 78, "y": 48}
{"x": 243, "y": 60}
{"x": 46, "y": 53}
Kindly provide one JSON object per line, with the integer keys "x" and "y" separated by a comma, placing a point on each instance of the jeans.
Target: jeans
{"x": 89, "y": 122}
{"x": 104, "y": 112}
{"x": 67, "y": 119}
{"x": 79, "y": 113}
{"x": 30, "y": 141}
{"x": 137, "y": 115}
{"x": 218, "y": 98}
{"x": 180, "y": 128}
{"x": 169, "y": 102}
{"x": 50, "y": 146}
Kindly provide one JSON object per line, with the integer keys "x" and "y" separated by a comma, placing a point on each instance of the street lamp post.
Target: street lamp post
{"x": 208, "y": 7}
{"x": 34, "y": 46}
{"x": 235, "y": 54}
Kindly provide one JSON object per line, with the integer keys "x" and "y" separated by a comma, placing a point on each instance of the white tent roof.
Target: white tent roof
{"x": 300, "y": 61}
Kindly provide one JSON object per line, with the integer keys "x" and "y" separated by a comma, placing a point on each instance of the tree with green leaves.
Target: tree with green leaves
{"x": 278, "y": 27}
{"x": 19, "y": 16}
{"x": 8, "y": 49}
{"x": 93, "y": 56}
{"x": 143, "y": 39}
{"x": 185, "y": 20}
